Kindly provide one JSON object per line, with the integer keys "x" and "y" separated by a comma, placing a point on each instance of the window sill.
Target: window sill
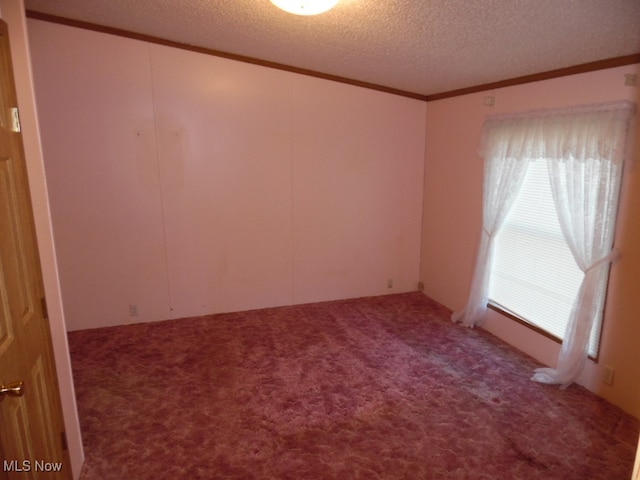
{"x": 513, "y": 316}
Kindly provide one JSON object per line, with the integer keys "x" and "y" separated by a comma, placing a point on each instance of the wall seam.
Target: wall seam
{"x": 156, "y": 131}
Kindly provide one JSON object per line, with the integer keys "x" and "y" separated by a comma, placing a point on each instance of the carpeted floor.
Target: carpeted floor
{"x": 374, "y": 388}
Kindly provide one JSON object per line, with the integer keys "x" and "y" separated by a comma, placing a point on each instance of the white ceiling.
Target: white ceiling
{"x": 420, "y": 46}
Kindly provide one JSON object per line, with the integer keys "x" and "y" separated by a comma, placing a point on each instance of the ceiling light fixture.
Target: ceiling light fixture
{"x": 305, "y": 7}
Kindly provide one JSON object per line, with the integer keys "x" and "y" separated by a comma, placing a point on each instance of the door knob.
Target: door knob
{"x": 14, "y": 389}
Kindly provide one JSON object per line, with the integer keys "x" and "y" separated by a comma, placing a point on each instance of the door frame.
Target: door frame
{"x": 12, "y": 12}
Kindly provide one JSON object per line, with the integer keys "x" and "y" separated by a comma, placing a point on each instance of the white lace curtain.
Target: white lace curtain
{"x": 584, "y": 147}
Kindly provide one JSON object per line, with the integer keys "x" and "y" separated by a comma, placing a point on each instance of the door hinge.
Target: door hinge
{"x": 63, "y": 440}
{"x": 43, "y": 306}
{"x": 15, "y": 119}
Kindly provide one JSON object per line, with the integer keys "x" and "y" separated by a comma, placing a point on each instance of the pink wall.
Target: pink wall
{"x": 188, "y": 184}
{"x": 452, "y": 221}
{"x": 12, "y": 12}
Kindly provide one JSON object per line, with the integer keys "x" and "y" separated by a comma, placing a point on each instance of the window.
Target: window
{"x": 581, "y": 152}
{"x": 534, "y": 275}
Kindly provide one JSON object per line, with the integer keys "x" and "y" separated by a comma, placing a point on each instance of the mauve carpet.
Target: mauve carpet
{"x": 373, "y": 388}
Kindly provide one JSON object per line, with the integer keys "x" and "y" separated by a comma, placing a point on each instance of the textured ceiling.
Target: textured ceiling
{"x": 421, "y": 46}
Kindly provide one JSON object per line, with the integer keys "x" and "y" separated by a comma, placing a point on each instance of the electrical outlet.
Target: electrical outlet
{"x": 421, "y": 286}
{"x": 133, "y": 310}
{"x": 390, "y": 283}
{"x": 608, "y": 375}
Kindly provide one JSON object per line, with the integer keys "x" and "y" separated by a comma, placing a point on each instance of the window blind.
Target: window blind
{"x": 534, "y": 274}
